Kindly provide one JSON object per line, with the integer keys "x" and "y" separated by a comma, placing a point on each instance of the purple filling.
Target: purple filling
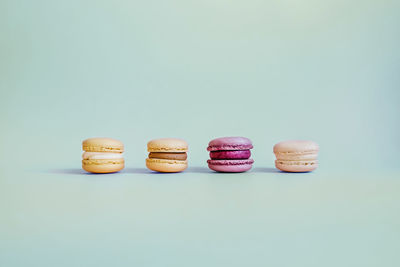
{"x": 230, "y": 154}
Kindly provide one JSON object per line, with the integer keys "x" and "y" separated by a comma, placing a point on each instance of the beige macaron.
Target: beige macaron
{"x": 102, "y": 155}
{"x": 167, "y": 155}
{"x": 296, "y": 156}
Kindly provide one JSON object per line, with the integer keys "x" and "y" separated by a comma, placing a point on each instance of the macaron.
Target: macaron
{"x": 102, "y": 155}
{"x": 296, "y": 156}
{"x": 167, "y": 155}
{"x": 230, "y": 154}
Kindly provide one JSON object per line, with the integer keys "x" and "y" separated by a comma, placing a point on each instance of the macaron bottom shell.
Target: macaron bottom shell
{"x": 103, "y": 165}
{"x": 296, "y": 166}
{"x": 165, "y": 165}
{"x": 230, "y": 165}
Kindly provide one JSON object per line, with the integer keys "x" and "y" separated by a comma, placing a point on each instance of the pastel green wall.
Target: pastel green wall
{"x": 137, "y": 70}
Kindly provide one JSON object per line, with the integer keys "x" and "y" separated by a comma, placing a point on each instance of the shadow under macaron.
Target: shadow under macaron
{"x": 147, "y": 171}
{"x": 206, "y": 170}
{"x": 75, "y": 171}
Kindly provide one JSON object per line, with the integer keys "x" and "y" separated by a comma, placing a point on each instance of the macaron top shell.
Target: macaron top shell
{"x": 167, "y": 145}
{"x": 296, "y": 146}
{"x": 102, "y": 144}
{"x": 230, "y": 143}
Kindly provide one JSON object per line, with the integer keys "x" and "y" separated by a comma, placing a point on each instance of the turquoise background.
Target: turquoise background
{"x": 327, "y": 71}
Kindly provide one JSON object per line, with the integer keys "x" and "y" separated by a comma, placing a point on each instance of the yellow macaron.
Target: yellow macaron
{"x": 167, "y": 155}
{"x": 102, "y": 155}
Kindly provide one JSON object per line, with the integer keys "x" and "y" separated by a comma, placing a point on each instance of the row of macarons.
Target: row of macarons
{"x": 227, "y": 154}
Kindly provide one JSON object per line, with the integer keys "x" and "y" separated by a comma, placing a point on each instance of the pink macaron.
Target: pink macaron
{"x": 230, "y": 154}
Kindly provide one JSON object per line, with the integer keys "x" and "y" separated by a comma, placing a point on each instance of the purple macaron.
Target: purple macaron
{"x": 230, "y": 154}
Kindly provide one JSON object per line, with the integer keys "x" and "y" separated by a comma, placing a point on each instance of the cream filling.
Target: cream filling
{"x": 102, "y": 155}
